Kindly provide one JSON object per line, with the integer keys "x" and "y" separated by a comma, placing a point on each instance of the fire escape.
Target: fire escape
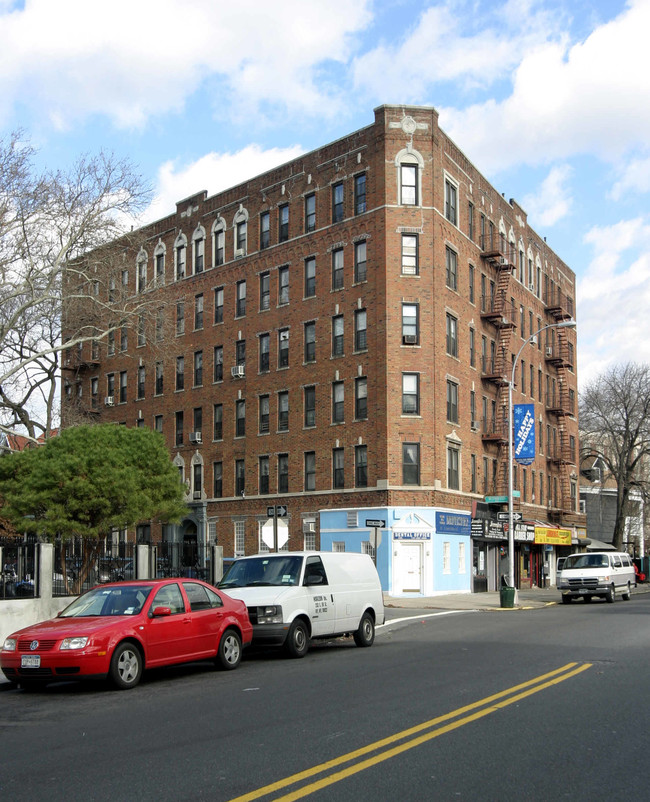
{"x": 496, "y": 365}
{"x": 560, "y": 400}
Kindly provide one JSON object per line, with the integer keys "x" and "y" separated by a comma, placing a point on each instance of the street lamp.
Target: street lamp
{"x": 563, "y": 324}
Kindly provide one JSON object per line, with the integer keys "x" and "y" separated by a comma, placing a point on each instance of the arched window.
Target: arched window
{"x": 218, "y": 242}
{"x": 159, "y": 254}
{"x": 410, "y": 165}
{"x": 240, "y": 225}
{"x": 141, "y": 270}
{"x": 198, "y": 249}
{"x": 180, "y": 256}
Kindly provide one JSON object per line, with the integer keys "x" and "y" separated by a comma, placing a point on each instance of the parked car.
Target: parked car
{"x": 119, "y": 629}
{"x": 293, "y": 597}
{"x": 596, "y": 574}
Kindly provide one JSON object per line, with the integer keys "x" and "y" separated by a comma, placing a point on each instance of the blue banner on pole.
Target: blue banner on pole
{"x": 524, "y": 433}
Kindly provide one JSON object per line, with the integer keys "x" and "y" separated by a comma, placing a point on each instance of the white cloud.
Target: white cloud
{"x": 129, "y": 60}
{"x": 213, "y": 172}
{"x": 553, "y": 200}
{"x": 614, "y": 298}
{"x": 566, "y": 100}
{"x": 635, "y": 178}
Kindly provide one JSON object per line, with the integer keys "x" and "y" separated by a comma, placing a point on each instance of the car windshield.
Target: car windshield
{"x": 586, "y": 561}
{"x": 260, "y": 571}
{"x": 126, "y": 600}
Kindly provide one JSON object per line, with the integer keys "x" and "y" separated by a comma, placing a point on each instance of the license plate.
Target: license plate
{"x": 30, "y": 661}
{"x": 582, "y": 590}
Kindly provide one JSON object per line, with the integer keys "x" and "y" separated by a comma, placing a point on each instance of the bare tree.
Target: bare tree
{"x": 615, "y": 426}
{"x": 49, "y": 223}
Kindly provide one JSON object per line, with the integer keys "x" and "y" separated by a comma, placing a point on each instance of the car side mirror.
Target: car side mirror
{"x": 314, "y": 579}
{"x": 159, "y": 612}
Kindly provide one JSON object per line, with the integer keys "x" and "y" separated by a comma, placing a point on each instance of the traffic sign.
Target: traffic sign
{"x": 501, "y": 499}
{"x": 280, "y": 511}
{"x": 516, "y": 516}
{"x": 376, "y": 523}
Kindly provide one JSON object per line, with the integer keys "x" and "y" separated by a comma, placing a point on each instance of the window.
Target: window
{"x": 218, "y": 305}
{"x": 310, "y": 213}
{"x": 337, "y": 202}
{"x": 111, "y": 290}
{"x": 141, "y": 335}
{"x": 180, "y": 373}
{"x": 472, "y": 348}
{"x": 361, "y": 398}
{"x": 179, "y": 428}
{"x": 283, "y": 285}
{"x": 283, "y": 348}
{"x": 452, "y": 269}
{"x": 219, "y": 243}
{"x": 240, "y": 310}
{"x": 411, "y": 463}
{"x": 240, "y": 353}
{"x": 217, "y": 422}
{"x": 198, "y": 312}
{"x": 283, "y": 411}
{"x": 283, "y": 473}
{"x": 337, "y": 269}
{"x": 361, "y": 466}
{"x": 218, "y": 363}
{"x": 141, "y": 276}
{"x": 241, "y": 235}
{"x": 452, "y": 401}
{"x": 180, "y": 259}
{"x": 360, "y": 330}
{"x": 451, "y": 202}
{"x": 159, "y": 378}
{"x": 265, "y": 346}
{"x": 110, "y": 385}
{"x": 360, "y": 267}
{"x": 310, "y": 277}
{"x": 409, "y": 184}
{"x": 452, "y": 335}
{"x": 240, "y": 477}
{"x": 410, "y": 254}
{"x": 240, "y": 418}
{"x": 159, "y": 259}
{"x": 310, "y": 406}
{"x": 158, "y": 423}
{"x": 338, "y": 402}
{"x": 453, "y": 476}
{"x": 123, "y": 377}
{"x": 360, "y": 193}
{"x": 410, "y": 324}
{"x": 472, "y": 273}
{"x": 338, "y": 468}
{"x": 337, "y": 335}
{"x": 410, "y": 394}
{"x": 472, "y": 409}
{"x": 180, "y": 318}
{"x": 265, "y": 230}
{"x": 160, "y": 324}
{"x": 264, "y": 414}
{"x": 283, "y": 223}
{"x": 310, "y": 470}
{"x": 470, "y": 221}
{"x": 473, "y": 474}
{"x": 310, "y": 342}
{"x": 197, "y": 414}
{"x": 94, "y": 391}
{"x": 198, "y": 368}
{"x": 263, "y": 475}
{"x": 239, "y": 539}
{"x": 125, "y": 280}
{"x": 124, "y": 338}
{"x": 199, "y": 250}
{"x": 265, "y": 291}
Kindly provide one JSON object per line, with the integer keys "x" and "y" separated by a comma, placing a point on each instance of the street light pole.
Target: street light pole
{"x": 563, "y": 324}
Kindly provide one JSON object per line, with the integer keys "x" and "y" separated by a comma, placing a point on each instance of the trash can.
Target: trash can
{"x": 507, "y": 596}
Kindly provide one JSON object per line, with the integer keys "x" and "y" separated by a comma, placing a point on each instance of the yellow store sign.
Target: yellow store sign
{"x": 555, "y": 537}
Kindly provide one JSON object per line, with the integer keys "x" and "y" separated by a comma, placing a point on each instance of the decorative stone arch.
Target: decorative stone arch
{"x": 198, "y": 249}
{"x": 409, "y": 156}
{"x": 179, "y": 462}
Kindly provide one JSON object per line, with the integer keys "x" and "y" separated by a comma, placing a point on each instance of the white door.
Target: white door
{"x": 408, "y": 573}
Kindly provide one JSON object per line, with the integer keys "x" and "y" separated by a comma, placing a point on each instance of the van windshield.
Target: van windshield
{"x": 260, "y": 571}
{"x": 586, "y": 561}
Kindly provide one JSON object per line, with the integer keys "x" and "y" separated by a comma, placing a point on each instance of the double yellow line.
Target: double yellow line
{"x": 390, "y": 747}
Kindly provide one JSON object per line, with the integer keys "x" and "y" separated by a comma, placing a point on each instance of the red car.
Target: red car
{"x": 119, "y": 629}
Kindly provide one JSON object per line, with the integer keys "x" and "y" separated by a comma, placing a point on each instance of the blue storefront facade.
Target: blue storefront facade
{"x": 420, "y": 551}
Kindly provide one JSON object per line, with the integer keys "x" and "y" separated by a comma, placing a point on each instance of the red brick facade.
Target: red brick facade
{"x": 417, "y": 260}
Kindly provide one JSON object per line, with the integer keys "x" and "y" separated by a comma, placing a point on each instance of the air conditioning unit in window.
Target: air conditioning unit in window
{"x": 239, "y": 253}
{"x": 195, "y": 437}
{"x": 109, "y": 400}
{"x": 410, "y": 339}
{"x": 475, "y": 426}
{"x": 196, "y": 494}
{"x": 549, "y": 350}
{"x": 310, "y": 526}
{"x": 531, "y": 287}
{"x": 238, "y": 371}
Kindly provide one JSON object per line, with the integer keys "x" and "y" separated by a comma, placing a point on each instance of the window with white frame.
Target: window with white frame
{"x": 451, "y": 201}
{"x": 446, "y": 557}
{"x": 218, "y": 242}
{"x": 410, "y": 254}
{"x": 239, "y": 550}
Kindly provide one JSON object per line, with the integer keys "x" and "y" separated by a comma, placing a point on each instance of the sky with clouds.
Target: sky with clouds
{"x": 549, "y": 98}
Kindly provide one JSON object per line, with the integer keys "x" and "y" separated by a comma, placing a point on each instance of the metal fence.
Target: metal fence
{"x": 180, "y": 559}
{"x": 80, "y": 564}
{"x": 19, "y": 569}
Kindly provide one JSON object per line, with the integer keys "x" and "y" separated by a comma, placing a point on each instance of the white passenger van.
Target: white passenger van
{"x": 295, "y": 596}
{"x": 596, "y": 573}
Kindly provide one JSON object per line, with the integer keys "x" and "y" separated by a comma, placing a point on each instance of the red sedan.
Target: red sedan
{"x": 117, "y": 630}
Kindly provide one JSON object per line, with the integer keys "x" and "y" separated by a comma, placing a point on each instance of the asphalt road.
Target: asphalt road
{"x": 543, "y": 704}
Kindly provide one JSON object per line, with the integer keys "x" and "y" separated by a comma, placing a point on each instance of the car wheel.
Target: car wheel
{"x": 126, "y": 666}
{"x": 567, "y": 599}
{"x": 611, "y": 594}
{"x": 229, "y": 652}
{"x": 365, "y": 635}
{"x": 297, "y": 642}
{"x": 626, "y": 596}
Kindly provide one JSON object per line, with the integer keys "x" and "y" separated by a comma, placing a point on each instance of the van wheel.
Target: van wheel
{"x": 365, "y": 635}
{"x": 611, "y": 594}
{"x": 626, "y": 596}
{"x": 297, "y": 642}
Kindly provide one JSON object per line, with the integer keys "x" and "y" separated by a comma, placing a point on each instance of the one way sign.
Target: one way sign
{"x": 516, "y": 516}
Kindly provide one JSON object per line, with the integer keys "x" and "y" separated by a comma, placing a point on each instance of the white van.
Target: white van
{"x": 596, "y": 573}
{"x": 295, "y": 596}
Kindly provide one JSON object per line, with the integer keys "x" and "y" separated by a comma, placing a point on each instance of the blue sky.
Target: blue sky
{"x": 550, "y": 99}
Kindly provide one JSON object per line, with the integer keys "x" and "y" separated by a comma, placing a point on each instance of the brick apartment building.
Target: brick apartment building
{"x": 336, "y": 335}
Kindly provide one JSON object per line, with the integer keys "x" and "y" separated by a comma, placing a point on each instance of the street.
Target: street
{"x": 529, "y": 704}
